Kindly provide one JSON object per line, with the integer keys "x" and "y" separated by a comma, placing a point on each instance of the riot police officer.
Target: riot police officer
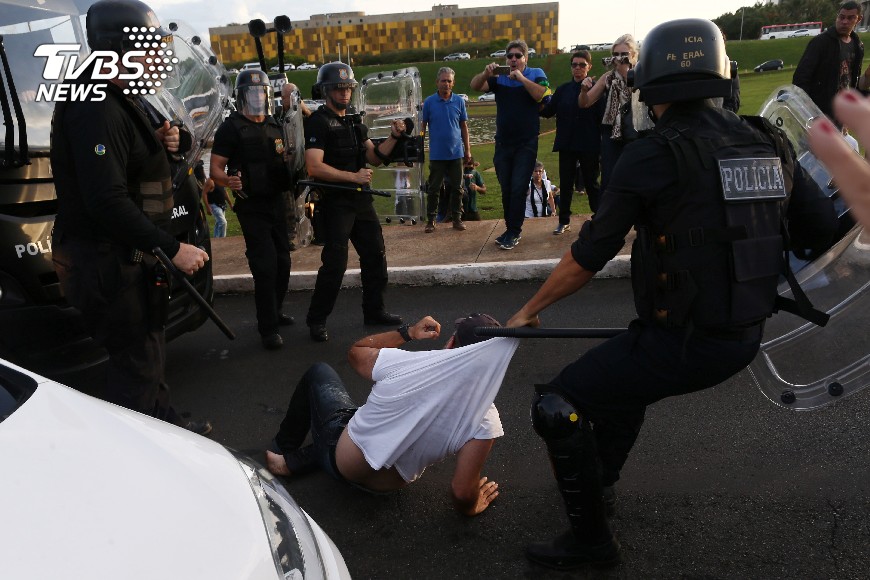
{"x": 114, "y": 192}
{"x": 707, "y": 193}
{"x": 248, "y": 157}
{"x": 337, "y": 150}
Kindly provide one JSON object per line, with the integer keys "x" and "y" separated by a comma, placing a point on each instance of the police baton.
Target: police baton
{"x": 179, "y": 275}
{"x": 358, "y": 188}
{"x": 529, "y": 332}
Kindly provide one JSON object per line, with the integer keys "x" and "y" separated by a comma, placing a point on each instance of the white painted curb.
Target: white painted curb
{"x": 452, "y": 275}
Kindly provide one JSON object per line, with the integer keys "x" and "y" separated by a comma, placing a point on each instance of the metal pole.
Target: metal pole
{"x": 742, "y": 14}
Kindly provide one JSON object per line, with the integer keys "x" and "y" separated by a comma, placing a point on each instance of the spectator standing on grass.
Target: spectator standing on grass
{"x": 445, "y": 115}
{"x": 518, "y": 96}
{"x": 832, "y": 60}
{"x": 578, "y": 139}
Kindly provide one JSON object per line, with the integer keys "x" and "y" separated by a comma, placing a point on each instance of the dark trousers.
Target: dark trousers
{"x": 267, "y": 248}
{"x": 342, "y": 223}
{"x": 613, "y": 383}
{"x": 514, "y": 163}
{"x": 101, "y": 282}
{"x": 568, "y": 180}
{"x": 610, "y": 153}
{"x": 440, "y": 171}
{"x": 320, "y": 405}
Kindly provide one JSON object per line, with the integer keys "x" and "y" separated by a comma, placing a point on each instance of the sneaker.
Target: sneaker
{"x": 199, "y": 427}
{"x": 509, "y": 243}
{"x": 430, "y": 227}
{"x": 564, "y": 552}
{"x": 458, "y": 225}
{"x": 561, "y": 229}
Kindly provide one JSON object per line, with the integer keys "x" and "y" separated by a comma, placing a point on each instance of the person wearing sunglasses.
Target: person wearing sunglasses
{"x": 518, "y": 97}
{"x": 613, "y": 87}
{"x": 578, "y": 139}
{"x": 713, "y": 197}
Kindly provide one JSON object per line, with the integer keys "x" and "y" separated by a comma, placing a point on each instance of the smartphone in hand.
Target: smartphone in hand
{"x": 502, "y": 70}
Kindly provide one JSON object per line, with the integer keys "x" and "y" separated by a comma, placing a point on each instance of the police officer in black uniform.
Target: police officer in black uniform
{"x": 337, "y": 150}
{"x": 114, "y": 192}
{"x": 248, "y": 157}
{"x": 707, "y": 193}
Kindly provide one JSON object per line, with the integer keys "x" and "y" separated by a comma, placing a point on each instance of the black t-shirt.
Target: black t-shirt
{"x": 847, "y": 55}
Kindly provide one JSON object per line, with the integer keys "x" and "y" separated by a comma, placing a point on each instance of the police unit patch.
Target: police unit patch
{"x": 342, "y": 74}
{"x": 100, "y": 149}
{"x": 752, "y": 179}
{"x": 279, "y": 146}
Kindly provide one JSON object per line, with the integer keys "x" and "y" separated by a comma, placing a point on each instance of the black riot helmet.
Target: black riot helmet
{"x": 682, "y": 60}
{"x": 333, "y": 75}
{"x": 254, "y": 95}
{"x": 107, "y": 20}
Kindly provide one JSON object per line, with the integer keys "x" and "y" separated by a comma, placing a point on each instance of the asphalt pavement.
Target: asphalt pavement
{"x": 721, "y": 484}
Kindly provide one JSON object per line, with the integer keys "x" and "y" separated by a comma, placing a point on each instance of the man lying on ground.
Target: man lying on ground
{"x": 423, "y": 407}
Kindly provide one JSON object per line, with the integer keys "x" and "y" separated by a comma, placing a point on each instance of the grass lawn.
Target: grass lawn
{"x": 755, "y": 88}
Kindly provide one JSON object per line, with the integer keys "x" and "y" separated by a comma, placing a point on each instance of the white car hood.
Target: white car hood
{"x": 93, "y": 491}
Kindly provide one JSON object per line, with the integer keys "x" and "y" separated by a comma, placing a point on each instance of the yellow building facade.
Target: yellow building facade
{"x": 444, "y": 26}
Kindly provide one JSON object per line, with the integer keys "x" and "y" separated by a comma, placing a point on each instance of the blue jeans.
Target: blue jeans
{"x": 514, "y": 163}
{"x": 322, "y": 406}
{"x": 220, "y": 221}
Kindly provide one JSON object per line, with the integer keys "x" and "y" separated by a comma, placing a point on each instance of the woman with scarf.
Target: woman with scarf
{"x": 614, "y": 88}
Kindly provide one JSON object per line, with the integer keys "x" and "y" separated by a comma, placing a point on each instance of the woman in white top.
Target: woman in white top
{"x": 539, "y": 198}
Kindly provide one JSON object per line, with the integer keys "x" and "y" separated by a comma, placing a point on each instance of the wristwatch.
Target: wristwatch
{"x": 403, "y": 330}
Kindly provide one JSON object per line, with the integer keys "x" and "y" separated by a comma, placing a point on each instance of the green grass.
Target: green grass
{"x": 755, "y": 88}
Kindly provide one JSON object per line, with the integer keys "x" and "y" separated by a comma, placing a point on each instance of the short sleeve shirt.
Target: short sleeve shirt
{"x": 444, "y": 118}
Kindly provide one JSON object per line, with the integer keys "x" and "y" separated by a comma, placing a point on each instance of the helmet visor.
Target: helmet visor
{"x": 255, "y": 100}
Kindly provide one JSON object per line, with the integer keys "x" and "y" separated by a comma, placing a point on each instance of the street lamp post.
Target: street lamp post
{"x": 742, "y": 13}
{"x": 338, "y": 47}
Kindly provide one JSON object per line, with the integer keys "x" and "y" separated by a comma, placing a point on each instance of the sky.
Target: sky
{"x": 580, "y": 21}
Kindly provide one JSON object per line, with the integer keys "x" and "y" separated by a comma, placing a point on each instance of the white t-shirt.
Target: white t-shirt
{"x": 424, "y": 406}
{"x": 539, "y": 196}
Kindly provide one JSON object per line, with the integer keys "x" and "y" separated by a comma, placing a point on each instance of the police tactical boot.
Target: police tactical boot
{"x": 285, "y": 320}
{"x": 430, "y": 227}
{"x": 272, "y": 341}
{"x": 199, "y": 427}
{"x": 608, "y": 496}
{"x": 458, "y": 225}
{"x": 564, "y": 552}
{"x": 318, "y": 332}
{"x": 382, "y": 318}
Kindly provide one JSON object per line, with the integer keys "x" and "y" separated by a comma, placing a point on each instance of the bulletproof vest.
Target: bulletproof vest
{"x": 716, "y": 262}
{"x": 150, "y": 187}
{"x": 345, "y": 148}
{"x": 261, "y": 157}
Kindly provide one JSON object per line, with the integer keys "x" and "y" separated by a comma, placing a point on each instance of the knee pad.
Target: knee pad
{"x": 554, "y": 417}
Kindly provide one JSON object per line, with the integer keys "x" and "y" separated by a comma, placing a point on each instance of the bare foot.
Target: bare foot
{"x": 276, "y": 464}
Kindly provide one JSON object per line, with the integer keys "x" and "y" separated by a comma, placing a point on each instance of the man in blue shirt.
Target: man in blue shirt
{"x": 445, "y": 115}
{"x": 518, "y": 96}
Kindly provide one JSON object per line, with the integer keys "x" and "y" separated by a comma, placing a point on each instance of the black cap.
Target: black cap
{"x": 465, "y": 328}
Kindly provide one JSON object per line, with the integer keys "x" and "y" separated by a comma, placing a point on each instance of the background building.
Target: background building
{"x": 437, "y": 29}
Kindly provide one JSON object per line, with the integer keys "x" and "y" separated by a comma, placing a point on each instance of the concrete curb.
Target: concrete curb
{"x": 448, "y": 275}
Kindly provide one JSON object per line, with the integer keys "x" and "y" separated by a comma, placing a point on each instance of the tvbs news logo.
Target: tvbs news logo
{"x": 145, "y": 69}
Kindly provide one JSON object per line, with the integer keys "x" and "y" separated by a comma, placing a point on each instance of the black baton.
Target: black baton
{"x": 179, "y": 275}
{"x": 358, "y": 188}
{"x": 529, "y": 332}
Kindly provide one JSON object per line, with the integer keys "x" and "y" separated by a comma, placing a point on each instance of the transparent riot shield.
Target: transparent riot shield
{"x": 384, "y": 97}
{"x": 800, "y": 365}
{"x": 294, "y": 156}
